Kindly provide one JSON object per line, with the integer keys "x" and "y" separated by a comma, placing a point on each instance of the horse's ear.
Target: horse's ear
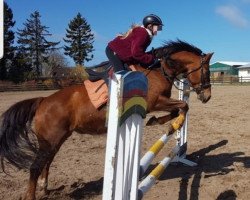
{"x": 209, "y": 56}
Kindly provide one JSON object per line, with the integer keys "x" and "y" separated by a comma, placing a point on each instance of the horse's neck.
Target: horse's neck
{"x": 172, "y": 71}
{"x": 181, "y": 60}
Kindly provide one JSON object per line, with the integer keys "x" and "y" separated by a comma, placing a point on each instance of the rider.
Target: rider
{"x": 130, "y": 48}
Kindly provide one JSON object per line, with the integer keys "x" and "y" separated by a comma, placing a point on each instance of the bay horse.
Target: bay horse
{"x": 33, "y": 130}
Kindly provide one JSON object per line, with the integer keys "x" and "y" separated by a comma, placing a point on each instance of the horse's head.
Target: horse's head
{"x": 182, "y": 58}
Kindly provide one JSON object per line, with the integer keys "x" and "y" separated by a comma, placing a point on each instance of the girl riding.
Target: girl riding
{"x": 130, "y": 48}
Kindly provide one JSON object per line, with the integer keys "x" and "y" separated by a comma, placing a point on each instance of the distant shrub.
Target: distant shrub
{"x": 48, "y": 82}
{"x": 78, "y": 73}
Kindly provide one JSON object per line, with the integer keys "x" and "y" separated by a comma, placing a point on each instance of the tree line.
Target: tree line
{"x": 34, "y": 55}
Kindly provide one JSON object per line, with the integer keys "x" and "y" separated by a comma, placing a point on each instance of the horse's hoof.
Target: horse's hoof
{"x": 152, "y": 121}
{"x": 27, "y": 197}
{"x": 44, "y": 193}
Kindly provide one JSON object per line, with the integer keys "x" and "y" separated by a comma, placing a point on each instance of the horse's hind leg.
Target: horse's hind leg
{"x": 35, "y": 171}
{"x": 43, "y": 179}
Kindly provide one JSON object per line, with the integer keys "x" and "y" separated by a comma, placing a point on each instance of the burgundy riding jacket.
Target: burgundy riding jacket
{"x": 132, "y": 48}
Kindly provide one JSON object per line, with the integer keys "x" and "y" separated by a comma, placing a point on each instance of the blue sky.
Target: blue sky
{"x": 219, "y": 26}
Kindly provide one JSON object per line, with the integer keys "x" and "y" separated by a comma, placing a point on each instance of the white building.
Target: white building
{"x": 244, "y": 73}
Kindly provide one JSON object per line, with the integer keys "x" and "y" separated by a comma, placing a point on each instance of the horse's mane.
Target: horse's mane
{"x": 171, "y": 47}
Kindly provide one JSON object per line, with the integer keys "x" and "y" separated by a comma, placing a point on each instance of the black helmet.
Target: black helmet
{"x": 152, "y": 19}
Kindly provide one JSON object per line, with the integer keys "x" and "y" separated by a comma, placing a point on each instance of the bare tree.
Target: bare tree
{"x": 56, "y": 62}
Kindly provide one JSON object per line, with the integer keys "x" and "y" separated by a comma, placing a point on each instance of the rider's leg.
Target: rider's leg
{"x": 115, "y": 61}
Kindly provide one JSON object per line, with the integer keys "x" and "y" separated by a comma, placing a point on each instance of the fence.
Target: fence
{"x": 32, "y": 85}
{"x": 239, "y": 80}
{"x": 59, "y": 84}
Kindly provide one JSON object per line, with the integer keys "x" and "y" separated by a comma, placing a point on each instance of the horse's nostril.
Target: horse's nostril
{"x": 205, "y": 99}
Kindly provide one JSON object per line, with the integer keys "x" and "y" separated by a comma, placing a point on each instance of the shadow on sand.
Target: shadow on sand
{"x": 211, "y": 165}
{"x": 83, "y": 191}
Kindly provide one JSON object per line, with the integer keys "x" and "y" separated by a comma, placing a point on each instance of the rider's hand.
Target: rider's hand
{"x": 153, "y": 52}
{"x": 157, "y": 63}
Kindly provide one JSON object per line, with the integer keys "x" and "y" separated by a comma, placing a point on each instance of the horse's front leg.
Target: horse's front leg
{"x": 163, "y": 119}
{"x": 176, "y": 108}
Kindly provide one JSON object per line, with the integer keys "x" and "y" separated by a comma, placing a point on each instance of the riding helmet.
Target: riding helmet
{"x": 152, "y": 19}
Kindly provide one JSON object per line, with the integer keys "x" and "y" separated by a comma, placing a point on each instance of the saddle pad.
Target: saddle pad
{"x": 97, "y": 92}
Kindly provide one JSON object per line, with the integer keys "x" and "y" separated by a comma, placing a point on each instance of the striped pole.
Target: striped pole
{"x": 181, "y": 135}
{"x": 159, "y": 144}
{"x": 178, "y": 154}
{"x": 150, "y": 180}
{"x": 152, "y": 152}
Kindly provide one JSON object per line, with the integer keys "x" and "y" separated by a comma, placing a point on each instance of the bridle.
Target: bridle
{"x": 204, "y": 81}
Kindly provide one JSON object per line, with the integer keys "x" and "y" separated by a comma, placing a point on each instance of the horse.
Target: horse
{"x": 33, "y": 130}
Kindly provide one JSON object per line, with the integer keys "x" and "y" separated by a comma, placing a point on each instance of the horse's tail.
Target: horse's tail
{"x": 17, "y": 143}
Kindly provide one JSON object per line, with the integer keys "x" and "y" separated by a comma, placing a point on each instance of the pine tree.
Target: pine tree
{"x": 80, "y": 40}
{"x": 32, "y": 40}
{"x": 21, "y": 69}
{"x": 9, "y": 37}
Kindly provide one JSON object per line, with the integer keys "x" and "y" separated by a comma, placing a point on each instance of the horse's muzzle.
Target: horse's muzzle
{"x": 205, "y": 95}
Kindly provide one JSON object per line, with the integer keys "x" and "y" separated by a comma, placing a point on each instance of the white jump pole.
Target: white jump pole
{"x": 126, "y": 109}
{"x": 112, "y": 137}
{"x": 184, "y": 93}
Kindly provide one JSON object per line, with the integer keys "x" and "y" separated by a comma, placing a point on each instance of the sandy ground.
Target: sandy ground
{"x": 219, "y": 141}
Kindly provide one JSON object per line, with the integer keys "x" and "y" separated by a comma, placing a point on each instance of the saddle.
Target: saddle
{"x": 103, "y": 71}
{"x": 100, "y": 71}
{"x": 97, "y": 84}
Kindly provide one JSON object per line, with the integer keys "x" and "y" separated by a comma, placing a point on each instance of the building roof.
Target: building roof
{"x": 231, "y": 63}
{"x": 244, "y": 66}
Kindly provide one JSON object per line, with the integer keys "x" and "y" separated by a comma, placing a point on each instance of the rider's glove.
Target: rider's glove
{"x": 153, "y": 52}
{"x": 156, "y": 64}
